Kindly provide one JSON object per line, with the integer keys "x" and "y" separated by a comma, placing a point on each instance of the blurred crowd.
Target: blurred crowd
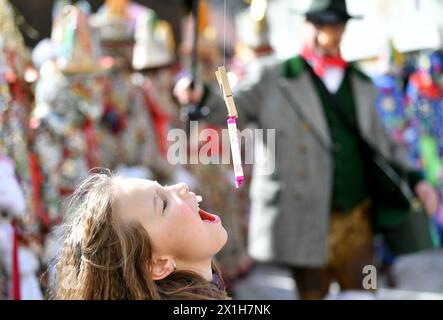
{"x": 99, "y": 93}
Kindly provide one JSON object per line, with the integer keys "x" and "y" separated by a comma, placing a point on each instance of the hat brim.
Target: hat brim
{"x": 327, "y": 17}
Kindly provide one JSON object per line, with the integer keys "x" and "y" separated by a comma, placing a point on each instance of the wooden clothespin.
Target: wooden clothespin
{"x": 223, "y": 82}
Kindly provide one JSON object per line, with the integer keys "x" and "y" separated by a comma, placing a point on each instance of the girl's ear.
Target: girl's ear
{"x": 161, "y": 267}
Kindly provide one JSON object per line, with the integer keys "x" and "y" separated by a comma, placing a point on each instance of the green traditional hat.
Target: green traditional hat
{"x": 329, "y": 12}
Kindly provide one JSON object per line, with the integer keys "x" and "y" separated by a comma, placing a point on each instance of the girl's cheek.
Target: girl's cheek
{"x": 182, "y": 208}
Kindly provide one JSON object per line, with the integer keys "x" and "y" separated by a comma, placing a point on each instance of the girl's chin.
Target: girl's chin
{"x": 223, "y": 236}
{"x": 218, "y": 238}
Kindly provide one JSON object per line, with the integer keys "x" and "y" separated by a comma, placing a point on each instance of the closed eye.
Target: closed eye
{"x": 165, "y": 204}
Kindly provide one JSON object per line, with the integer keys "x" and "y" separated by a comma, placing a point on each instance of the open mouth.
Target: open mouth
{"x": 204, "y": 215}
{"x": 208, "y": 217}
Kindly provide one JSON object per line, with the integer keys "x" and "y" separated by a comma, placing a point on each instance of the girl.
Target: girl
{"x": 134, "y": 239}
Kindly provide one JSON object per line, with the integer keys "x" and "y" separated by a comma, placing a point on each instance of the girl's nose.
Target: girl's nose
{"x": 182, "y": 189}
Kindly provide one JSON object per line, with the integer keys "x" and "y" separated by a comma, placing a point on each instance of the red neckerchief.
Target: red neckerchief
{"x": 320, "y": 63}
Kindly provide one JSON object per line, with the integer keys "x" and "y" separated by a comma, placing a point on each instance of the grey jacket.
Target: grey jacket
{"x": 291, "y": 206}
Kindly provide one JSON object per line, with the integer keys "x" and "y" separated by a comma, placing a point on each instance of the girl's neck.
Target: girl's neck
{"x": 203, "y": 268}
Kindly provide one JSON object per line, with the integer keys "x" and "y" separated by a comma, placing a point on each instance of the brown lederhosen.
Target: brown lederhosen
{"x": 350, "y": 248}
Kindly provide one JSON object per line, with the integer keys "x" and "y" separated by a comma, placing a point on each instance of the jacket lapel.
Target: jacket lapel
{"x": 364, "y": 102}
{"x": 305, "y": 101}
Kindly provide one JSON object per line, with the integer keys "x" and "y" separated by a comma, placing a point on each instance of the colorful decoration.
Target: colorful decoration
{"x": 390, "y": 105}
{"x": 424, "y": 110}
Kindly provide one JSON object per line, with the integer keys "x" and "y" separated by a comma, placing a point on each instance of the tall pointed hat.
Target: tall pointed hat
{"x": 155, "y": 44}
{"x": 80, "y": 48}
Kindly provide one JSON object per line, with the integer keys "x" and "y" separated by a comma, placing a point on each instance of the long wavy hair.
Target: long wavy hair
{"x": 102, "y": 258}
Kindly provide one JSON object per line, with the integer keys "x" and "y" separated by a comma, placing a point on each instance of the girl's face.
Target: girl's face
{"x": 171, "y": 215}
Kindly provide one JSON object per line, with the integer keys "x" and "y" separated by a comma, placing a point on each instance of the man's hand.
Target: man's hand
{"x": 429, "y": 196}
{"x": 185, "y": 94}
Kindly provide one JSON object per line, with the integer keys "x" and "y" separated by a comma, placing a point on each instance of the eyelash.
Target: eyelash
{"x": 165, "y": 204}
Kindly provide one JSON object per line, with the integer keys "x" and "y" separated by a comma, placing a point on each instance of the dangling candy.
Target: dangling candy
{"x": 222, "y": 79}
{"x": 235, "y": 149}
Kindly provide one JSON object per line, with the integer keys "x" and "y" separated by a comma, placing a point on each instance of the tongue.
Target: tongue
{"x": 206, "y": 215}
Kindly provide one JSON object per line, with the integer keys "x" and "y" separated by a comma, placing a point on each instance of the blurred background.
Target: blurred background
{"x": 80, "y": 90}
